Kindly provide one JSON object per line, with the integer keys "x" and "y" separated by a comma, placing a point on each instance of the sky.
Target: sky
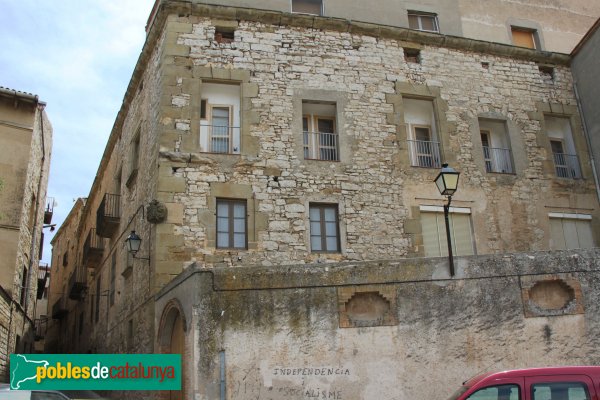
{"x": 78, "y": 57}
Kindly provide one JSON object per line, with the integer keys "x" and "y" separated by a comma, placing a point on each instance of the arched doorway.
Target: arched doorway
{"x": 171, "y": 339}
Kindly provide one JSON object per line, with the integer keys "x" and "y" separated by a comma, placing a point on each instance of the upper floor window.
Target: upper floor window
{"x": 423, "y": 21}
{"x": 496, "y": 146}
{"x": 433, "y": 227}
{"x": 570, "y": 231}
{"x": 524, "y": 37}
{"x": 566, "y": 162}
{"x": 314, "y": 7}
{"x": 324, "y": 228}
{"x": 231, "y": 224}
{"x": 320, "y": 137}
{"x": 423, "y": 143}
{"x": 220, "y": 118}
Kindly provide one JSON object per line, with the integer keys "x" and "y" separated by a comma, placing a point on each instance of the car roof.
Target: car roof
{"x": 517, "y": 373}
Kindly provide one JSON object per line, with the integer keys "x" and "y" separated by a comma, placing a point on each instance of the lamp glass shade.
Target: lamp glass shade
{"x": 133, "y": 242}
{"x": 447, "y": 181}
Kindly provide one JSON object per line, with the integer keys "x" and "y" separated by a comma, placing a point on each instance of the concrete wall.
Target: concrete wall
{"x": 586, "y": 67}
{"x": 560, "y": 24}
{"x": 293, "y": 333}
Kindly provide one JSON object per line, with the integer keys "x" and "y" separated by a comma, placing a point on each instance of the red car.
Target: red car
{"x": 552, "y": 383}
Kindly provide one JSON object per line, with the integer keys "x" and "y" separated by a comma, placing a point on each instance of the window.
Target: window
{"x": 220, "y": 118}
{"x": 560, "y": 391}
{"x": 570, "y": 231}
{"x": 495, "y": 144}
{"x": 65, "y": 260}
{"x": 423, "y": 21}
{"x": 524, "y": 37}
{"x": 314, "y": 7}
{"x": 500, "y": 392}
{"x": 135, "y": 151}
{"x": 319, "y": 130}
{"x": 324, "y": 228}
{"x": 224, "y": 35}
{"x": 433, "y": 227}
{"x": 566, "y": 162}
{"x": 412, "y": 55}
{"x": 423, "y": 146}
{"x": 231, "y": 224}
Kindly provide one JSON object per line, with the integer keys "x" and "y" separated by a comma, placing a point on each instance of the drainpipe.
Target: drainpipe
{"x": 222, "y": 362}
{"x": 587, "y": 138}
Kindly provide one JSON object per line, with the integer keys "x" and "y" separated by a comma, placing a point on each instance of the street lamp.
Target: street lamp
{"x": 133, "y": 245}
{"x": 447, "y": 183}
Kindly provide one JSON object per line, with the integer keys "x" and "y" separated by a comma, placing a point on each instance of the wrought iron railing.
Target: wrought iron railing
{"x": 77, "y": 284}
{"x": 221, "y": 138}
{"x": 59, "y": 308}
{"x": 93, "y": 248}
{"x": 40, "y": 325}
{"x": 498, "y": 160}
{"x": 424, "y": 154}
{"x": 321, "y": 146}
{"x": 567, "y": 166}
{"x": 108, "y": 214}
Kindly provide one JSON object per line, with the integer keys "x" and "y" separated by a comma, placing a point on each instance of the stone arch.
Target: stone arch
{"x": 171, "y": 340}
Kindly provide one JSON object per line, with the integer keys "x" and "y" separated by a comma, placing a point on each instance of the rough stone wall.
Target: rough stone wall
{"x": 377, "y": 190}
{"x": 282, "y": 334}
{"x": 27, "y": 129}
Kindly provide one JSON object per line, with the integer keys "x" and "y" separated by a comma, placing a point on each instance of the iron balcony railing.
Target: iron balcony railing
{"x": 41, "y": 325}
{"x": 43, "y": 275}
{"x": 498, "y": 160}
{"x": 424, "y": 154}
{"x": 49, "y": 210}
{"x": 108, "y": 215}
{"x": 567, "y": 166}
{"x": 77, "y": 284}
{"x": 59, "y": 309}
{"x": 221, "y": 138}
{"x": 321, "y": 146}
{"x": 93, "y": 248}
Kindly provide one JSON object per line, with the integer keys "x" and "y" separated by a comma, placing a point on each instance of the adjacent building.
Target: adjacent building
{"x": 25, "y": 147}
{"x": 277, "y": 165}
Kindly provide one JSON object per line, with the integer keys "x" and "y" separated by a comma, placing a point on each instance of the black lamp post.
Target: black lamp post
{"x": 133, "y": 244}
{"x": 447, "y": 183}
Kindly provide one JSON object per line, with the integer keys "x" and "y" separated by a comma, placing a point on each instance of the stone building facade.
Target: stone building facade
{"x": 274, "y": 163}
{"x": 25, "y": 148}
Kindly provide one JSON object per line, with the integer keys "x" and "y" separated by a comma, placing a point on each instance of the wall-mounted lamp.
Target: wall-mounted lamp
{"x": 447, "y": 183}
{"x": 134, "y": 242}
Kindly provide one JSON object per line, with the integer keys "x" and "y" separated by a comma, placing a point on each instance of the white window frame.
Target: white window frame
{"x": 421, "y": 14}
{"x": 229, "y": 108}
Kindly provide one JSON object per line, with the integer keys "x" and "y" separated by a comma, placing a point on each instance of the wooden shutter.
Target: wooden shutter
{"x": 523, "y": 38}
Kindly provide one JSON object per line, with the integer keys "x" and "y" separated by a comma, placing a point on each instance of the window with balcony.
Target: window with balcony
{"x": 108, "y": 215}
{"x": 423, "y": 21}
{"x": 324, "y": 228}
{"x": 314, "y": 7}
{"x": 423, "y": 143}
{"x": 433, "y": 227}
{"x": 220, "y": 118}
{"x": 570, "y": 231}
{"x": 524, "y": 37}
{"x": 495, "y": 144}
{"x": 566, "y": 162}
{"x": 231, "y": 224}
{"x": 321, "y": 141}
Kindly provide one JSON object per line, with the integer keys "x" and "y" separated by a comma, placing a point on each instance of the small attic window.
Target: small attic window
{"x": 412, "y": 55}
{"x": 224, "y": 35}
{"x": 546, "y": 71}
